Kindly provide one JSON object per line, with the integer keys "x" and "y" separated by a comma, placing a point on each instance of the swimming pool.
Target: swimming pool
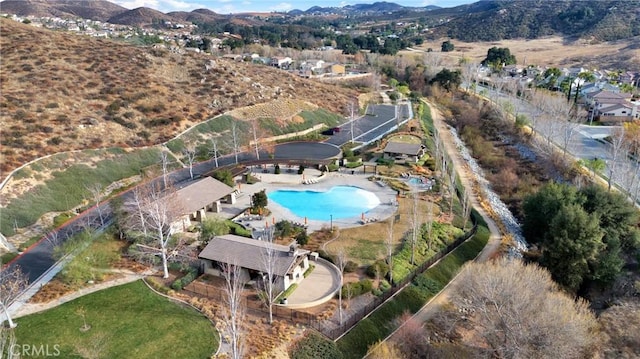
{"x": 339, "y": 202}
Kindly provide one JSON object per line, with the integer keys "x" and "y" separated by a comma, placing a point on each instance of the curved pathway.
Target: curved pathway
{"x": 467, "y": 178}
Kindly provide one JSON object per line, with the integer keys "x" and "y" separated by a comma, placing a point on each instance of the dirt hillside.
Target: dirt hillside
{"x": 61, "y": 91}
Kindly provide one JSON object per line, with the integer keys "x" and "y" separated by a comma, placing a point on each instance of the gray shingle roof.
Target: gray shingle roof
{"x": 412, "y": 149}
{"x": 249, "y": 253}
{"x": 201, "y": 193}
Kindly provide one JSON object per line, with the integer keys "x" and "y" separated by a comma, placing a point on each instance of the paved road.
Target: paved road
{"x": 379, "y": 120}
{"x": 586, "y": 142}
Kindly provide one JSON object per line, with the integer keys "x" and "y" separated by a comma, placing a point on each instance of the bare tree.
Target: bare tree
{"x": 254, "y": 130}
{"x": 164, "y": 162}
{"x": 470, "y": 73}
{"x": 570, "y": 124}
{"x": 12, "y": 283}
{"x": 341, "y": 263}
{"x": 268, "y": 285}
{"x": 617, "y": 149}
{"x": 466, "y": 207}
{"x": 452, "y": 188}
{"x": 152, "y": 211}
{"x": 519, "y": 312}
{"x": 189, "y": 153}
{"x": 429, "y": 223}
{"x": 214, "y": 151}
{"x": 389, "y": 246}
{"x": 53, "y": 238}
{"x": 414, "y": 222}
{"x": 235, "y": 138}
{"x": 95, "y": 190}
{"x": 8, "y": 342}
{"x": 234, "y": 311}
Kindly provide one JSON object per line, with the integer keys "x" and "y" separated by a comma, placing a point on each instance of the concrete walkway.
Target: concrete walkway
{"x": 30, "y": 308}
{"x": 319, "y": 287}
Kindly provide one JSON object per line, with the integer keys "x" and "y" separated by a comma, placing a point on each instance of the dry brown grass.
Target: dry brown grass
{"x": 60, "y": 91}
{"x": 365, "y": 244}
{"x": 550, "y": 51}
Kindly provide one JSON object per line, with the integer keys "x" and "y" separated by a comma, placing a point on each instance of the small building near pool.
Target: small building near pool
{"x": 404, "y": 151}
{"x": 290, "y": 262}
{"x": 197, "y": 198}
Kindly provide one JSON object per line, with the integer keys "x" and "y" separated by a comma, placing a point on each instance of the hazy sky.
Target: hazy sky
{"x": 234, "y": 6}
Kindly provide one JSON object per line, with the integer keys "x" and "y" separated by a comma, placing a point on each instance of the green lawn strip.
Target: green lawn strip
{"x": 286, "y": 293}
{"x": 93, "y": 260}
{"x": 442, "y": 234}
{"x": 379, "y": 324}
{"x": 68, "y": 188}
{"x": 128, "y": 321}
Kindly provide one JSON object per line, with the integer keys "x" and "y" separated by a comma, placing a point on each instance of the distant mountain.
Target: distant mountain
{"x": 198, "y": 15}
{"x": 140, "y": 17}
{"x": 491, "y": 20}
{"x": 362, "y": 9}
{"x": 94, "y": 10}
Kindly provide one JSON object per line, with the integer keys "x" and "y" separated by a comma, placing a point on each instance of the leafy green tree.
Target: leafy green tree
{"x": 572, "y": 245}
{"x": 225, "y": 177}
{"x": 447, "y": 46}
{"x": 259, "y": 199}
{"x": 302, "y": 238}
{"x": 211, "y": 227}
{"x": 501, "y": 56}
{"x": 618, "y": 218}
{"x": 581, "y": 233}
{"x": 447, "y": 79}
{"x": 541, "y": 207}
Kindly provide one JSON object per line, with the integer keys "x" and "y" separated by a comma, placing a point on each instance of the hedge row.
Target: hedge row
{"x": 180, "y": 283}
{"x": 379, "y": 324}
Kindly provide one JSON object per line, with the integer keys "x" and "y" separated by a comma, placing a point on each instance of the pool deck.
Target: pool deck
{"x": 272, "y": 182}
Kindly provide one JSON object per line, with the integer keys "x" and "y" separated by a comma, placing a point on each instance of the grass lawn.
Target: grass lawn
{"x": 128, "y": 321}
{"x": 365, "y": 244}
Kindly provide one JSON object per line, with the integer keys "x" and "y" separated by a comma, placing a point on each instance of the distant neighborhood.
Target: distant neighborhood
{"x": 608, "y": 95}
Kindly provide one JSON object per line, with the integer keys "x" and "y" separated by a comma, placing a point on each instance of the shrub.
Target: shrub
{"x": 302, "y": 238}
{"x": 315, "y": 346}
{"x": 180, "y": 283}
{"x": 276, "y": 169}
{"x": 301, "y": 169}
{"x": 357, "y": 288}
{"x": 327, "y": 256}
{"x": 384, "y": 285}
{"x": 350, "y": 267}
{"x": 379, "y": 268}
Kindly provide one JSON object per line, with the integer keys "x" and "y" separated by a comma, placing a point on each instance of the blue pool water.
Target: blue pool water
{"x": 339, "y": 202}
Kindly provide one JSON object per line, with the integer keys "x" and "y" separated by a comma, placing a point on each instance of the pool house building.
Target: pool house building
{"x": 290, "y": 262}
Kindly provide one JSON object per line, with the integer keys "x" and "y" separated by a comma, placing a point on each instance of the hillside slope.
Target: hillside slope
{"x": 61, "y": 92}
{"x": 492, "y": 20}
{"x": 94, "y": 9}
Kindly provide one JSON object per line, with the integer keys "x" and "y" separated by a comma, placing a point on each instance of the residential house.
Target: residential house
{"x": 281, "y": 62}
{"x": 403, "y": 151}
{"x": 612, "y": 106}
{"x": 621, "y": 111}
{"x": 199, "y": 197}
{"x": 252, "y": 256}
